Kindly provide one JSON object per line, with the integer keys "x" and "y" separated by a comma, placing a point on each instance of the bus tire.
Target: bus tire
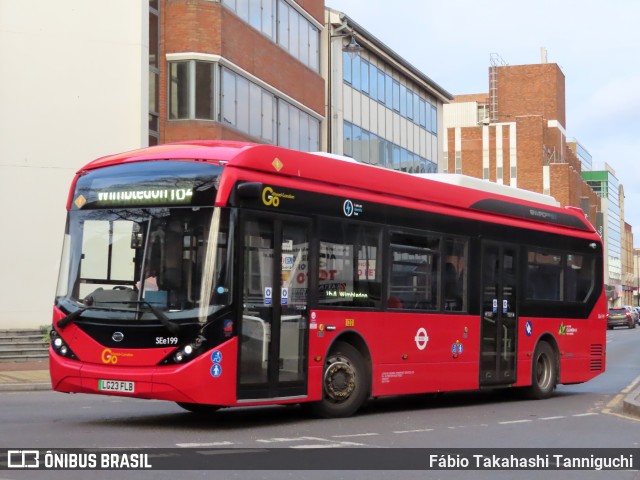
{"x": 199, "y": 408}
{"x": 345, "y": 383}
{"x": 544, "y": 372}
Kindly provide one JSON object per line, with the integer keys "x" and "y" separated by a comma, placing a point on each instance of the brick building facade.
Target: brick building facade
{"x": 210, "y": 51}
{"x": 515, "y": 135}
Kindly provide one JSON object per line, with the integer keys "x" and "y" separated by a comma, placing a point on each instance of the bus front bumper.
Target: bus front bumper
{"x": 192, "y": 382}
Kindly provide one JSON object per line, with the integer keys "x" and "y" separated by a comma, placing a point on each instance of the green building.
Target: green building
{"x": 607, "y": 187}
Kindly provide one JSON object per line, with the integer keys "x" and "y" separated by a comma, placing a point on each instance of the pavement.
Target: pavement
{"x": 33, "y": 376}
{"x": 24, "y": 376}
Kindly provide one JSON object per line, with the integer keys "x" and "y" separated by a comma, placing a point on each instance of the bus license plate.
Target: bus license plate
{"x": 115, "y": 386}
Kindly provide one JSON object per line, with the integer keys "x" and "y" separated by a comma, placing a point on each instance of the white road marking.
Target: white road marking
{"x": 327, "y": 443}
{"x": 323, "y": 445}
{"x": 202, "y": 445}
{"x": 418, "y": 430}
{"x": 281, "y": 440}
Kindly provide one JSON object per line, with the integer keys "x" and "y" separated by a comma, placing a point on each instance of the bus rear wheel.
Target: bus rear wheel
{"x": 345, "y": 383}
{"x": 544, "y": 372}
{"x": 199, "y": 408}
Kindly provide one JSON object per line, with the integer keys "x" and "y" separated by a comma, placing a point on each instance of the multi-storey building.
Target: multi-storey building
{"x": 240, "y": 70}
{"x": 628, "y": 278}
{"x": 515, "y": 135}
{"x": 606, "y": 185}
{"x": 157, "y": 71}
{"x": 381, "y": 109}
{"x": 636, "y": 275}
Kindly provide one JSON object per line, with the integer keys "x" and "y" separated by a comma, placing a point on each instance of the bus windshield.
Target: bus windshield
{"x": 143, "y": 238}
{"x": 125, "y": 259}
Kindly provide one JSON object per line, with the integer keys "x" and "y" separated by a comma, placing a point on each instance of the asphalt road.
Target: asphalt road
{"x": 584, "y": 416}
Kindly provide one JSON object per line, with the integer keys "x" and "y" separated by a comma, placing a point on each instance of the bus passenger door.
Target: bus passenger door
{"x": 273, "y": 332}
{"x": 499, "y": 314}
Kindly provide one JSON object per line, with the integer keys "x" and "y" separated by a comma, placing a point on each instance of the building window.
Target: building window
{"x": 260, "y": 14}
{"x": 348, "y": 139}
{"x": 178, "y": 90}
{"x": 154, "y": 73}
{"x": 204, "y": 90}
{"x": 381, "y": 86}
{"x": 191, "y": 90}
{"x": 396, "y": 96}
{"x": 346, "y": 68}
{"x": 283, "y": 24}
{"x": 247, "y": 107}
{"x": 367, "y": 147}
{"x": 298, "y": 36}
{"x": 364, "y": 76}
{"x": 243, "y": 105}
{"x": 434, "y": 120}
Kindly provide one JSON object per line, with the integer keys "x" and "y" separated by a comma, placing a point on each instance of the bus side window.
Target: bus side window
{"x": 349, "y": 265}
{"x": 454, "y": 280}
{"x": 414, "y": 278}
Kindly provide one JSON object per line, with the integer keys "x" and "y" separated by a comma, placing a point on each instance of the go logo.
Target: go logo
{"x": 268, "y": 197}
{"x": 108, "y": 357}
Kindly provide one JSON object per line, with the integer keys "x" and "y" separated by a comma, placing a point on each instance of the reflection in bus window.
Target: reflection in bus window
{"x": 115, "y": 250}
{"x": 349, "y": 261}
{"x": 454, "y": 280}
{"x": 414, "y": 272}
{"x": 559, "y": 276}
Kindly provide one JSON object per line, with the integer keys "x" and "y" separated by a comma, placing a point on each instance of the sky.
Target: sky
{"x": 595, "y": 43}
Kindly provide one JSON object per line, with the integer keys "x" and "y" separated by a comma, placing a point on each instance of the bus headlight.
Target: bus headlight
{"x": 187, "y": 352}
{"x": 59, "y": 346}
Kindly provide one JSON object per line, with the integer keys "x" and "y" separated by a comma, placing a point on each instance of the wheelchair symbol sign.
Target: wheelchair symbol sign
{"x": 216, "y": 357}
{"x": 268, "y": 295}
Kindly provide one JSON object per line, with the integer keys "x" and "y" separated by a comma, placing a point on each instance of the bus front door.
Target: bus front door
{"x": 499, "y": 314}
{"x": 273, "y": 332}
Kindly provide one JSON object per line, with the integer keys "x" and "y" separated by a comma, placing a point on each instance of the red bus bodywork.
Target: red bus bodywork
{"x": 388, "y": 338}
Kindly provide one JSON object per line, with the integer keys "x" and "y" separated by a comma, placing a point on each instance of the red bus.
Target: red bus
{"x": 221, "y": 274}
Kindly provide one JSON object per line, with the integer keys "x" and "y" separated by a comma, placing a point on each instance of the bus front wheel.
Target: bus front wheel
{"x": 544, "y": 372}
{"x": 344, "y": 383}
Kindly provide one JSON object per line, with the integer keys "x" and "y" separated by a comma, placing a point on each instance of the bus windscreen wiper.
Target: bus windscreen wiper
{"x": 73, "y": 316}
{"x": 70, "y": 318}
{"x": 164, "y": 320}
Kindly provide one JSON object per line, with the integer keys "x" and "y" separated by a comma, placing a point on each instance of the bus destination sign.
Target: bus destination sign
{"x": 142, "y": 196}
